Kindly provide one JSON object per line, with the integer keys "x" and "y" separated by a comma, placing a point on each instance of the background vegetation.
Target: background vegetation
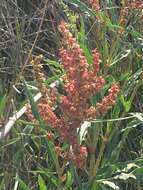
{"x": 29, "y": 28}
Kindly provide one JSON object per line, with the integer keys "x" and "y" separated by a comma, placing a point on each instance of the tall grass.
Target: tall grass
{"x": 28, "y": 160}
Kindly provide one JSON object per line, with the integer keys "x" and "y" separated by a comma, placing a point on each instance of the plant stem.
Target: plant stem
{"x": 58, "y": 169}
{"x": 93, "y": 148}
{"x": 101, "y": 152}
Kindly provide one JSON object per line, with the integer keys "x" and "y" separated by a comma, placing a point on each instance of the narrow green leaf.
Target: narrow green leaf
{"x": 139, "y": 116}
{"x": 138, "y": 171}
{"x": 83, "y": 43}
{"x": 22, "y": 184}
{"x": 50, "y": 145}
{"x": 76, "y": 177}
{"x": 2, "y": 184}
{"x": 83, "y": 7}
{"x": 53, "y": 63}
{"x": 3, "y": 101}
{"x": 126, "y": 103}
{"x": 41, "y": 183}
{"x": 28, "y": 129}
{"x": 120, "y": 57}
{"x": 50, "y": 175}
{"x": 9, "y": 142}
{"x": 131, "y": 125}
{"x": 33, "y": 106}
{"x": 69, "y": 181}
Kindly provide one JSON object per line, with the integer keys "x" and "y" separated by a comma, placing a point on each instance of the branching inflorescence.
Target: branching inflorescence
{"x": 82, "y": 81}
{"x": 94, "y": 4}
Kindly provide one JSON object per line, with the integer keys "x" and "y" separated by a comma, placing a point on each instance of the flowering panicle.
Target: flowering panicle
{"x": 96, "y": 61}
{"x": 50, "y": 135}
{"x": 47, "y": 113}
{"x": 94, "y": 4}
{"x": 107, "y": 102}
{"x": 39, "y": 75}
{"x": 82, "y": 81}
{"x": 130, "y": 5}
{"x": 48, "y": 99}
{"x": 136, "y": 4}
{"x": 80, "y": 156}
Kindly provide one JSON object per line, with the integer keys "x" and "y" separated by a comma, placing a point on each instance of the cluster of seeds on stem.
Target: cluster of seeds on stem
{"x": 82, "y": 81}
{"x": 94, "y": 4}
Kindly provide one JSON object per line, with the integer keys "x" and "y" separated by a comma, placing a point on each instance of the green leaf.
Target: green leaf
{"x": 134, "y": 33}
{"x": 76, "y": 177}
{"x": 33, "y": 106}
{"x": 133, "y": 124}
{"x": 138, "y": 171}
{"x": 53, "y": 63}
{"x": 107, "y": 21}
{"x": 83, "y": 43}
{"x": 50, "y": 145}
{"x": 69, "y": 181}
{"x": 126, "y": 104}
{"x": 2, "y": 184}
{"x": 111, "y": 151}
{"x": 41, "y": 183}
{"x": 50, "y": 175}
{"x": 82, "y": 6}
{"x": 112, "y": 26}
{"x": 22, "y": 184}
{"x": 120, "y": 57}
{"x": 131, "y": 83}
{"x": 3, "y": 101}
{"x": 56, "y": 70}
{"x": 139, "y": 116}
{"x": 28, "y": 129}
{"x": 9, "y": 142}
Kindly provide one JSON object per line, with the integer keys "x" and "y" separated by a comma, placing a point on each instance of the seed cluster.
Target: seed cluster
{"x": 82, "y": 81}
{"x": 94, "y": 4}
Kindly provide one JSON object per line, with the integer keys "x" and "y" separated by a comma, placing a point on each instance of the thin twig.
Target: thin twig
{"x": 30, "y": 52}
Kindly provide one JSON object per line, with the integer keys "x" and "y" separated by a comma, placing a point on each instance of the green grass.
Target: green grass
{"x": 27, "y": 159}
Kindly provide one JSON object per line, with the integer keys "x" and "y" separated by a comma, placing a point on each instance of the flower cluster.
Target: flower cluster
{"x": 80, "y": 156}
{"x": 136, "y": 4}
{"x": 48, "y": 99}
{"x": 107, "y": 102}
{"x": 82, "y": 81}
{"x": 94, "y": 4}
{"x": 125, "y": 11}
{"x": 39, "y": 75}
